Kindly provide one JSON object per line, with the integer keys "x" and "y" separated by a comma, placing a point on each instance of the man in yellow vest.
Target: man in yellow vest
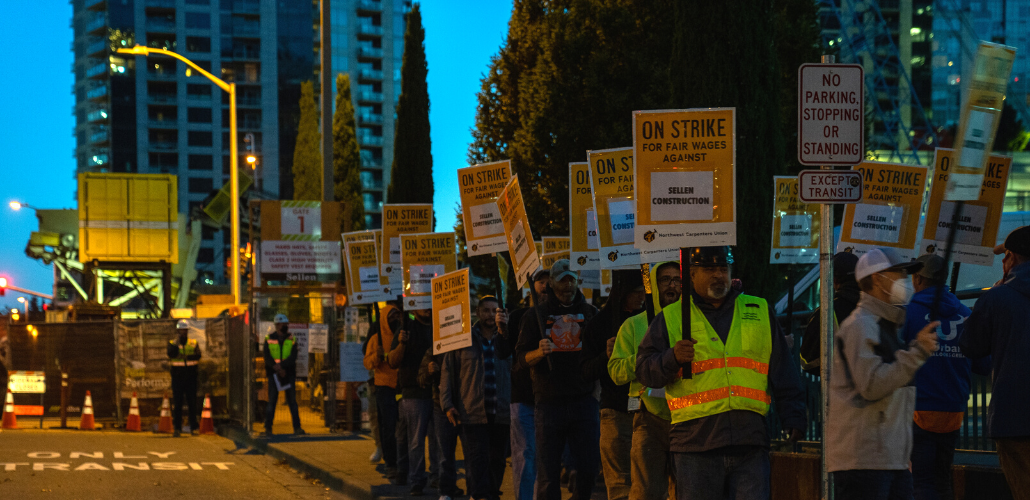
{"x": 183, "y": 357}
{"x": 719, "y": 383}
{"x": 281, "y": 368}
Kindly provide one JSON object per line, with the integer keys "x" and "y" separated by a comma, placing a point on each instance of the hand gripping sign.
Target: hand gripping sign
{"x": 424, "y": 257}
{"x": 795, "y": 234}
{"x": 397, "y": 220}
{"x": 480, "y": 185}
{"x": 452, "y": 328}
{"x": 684, "y": 183}
{"x": 977, "y": 229}
{"x": 892, "y": 198}
{"x": 524, "y": 255}
{"x": 582, "y": 223}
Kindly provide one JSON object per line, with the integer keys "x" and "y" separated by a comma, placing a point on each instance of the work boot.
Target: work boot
{"x": 298, "y": 432}
{"x": 376, "y": 456}
{"x": 176, "y": 434}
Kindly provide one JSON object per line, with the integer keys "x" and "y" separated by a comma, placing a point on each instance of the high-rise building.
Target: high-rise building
{"x": 368, "y": 44}
{"x": 155, "y": 115}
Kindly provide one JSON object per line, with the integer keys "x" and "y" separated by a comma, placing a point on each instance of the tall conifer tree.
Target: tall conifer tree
{"x": 307, "y": 157}
{"x": 411, "y": 176}
{"x": 346, "y": 154}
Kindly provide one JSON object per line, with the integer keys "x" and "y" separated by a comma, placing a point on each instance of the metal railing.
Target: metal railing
{"x": 371, "y": 74}
{"x": 370, "y": 52}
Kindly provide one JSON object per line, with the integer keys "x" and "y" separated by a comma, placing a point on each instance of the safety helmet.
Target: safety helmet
{"x": 182, "y": 325}
{"x": 711, "y": 256}
{"x": 281, "y": 318}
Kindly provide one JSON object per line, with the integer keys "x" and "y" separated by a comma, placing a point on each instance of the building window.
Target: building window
{"x": 198, "y": 2}
{"x": 198, "y": 44}
{"x": 198, "y": 138}
{"x": 198, "y": 115}
{"x": 201, "y": 185}
{"x": 206, "y": 255}
{"x": 164, "y": 161}
{"x": 201, "y": 162}
{"x": 199, "y": 91}
{"x": 198, "y": 20}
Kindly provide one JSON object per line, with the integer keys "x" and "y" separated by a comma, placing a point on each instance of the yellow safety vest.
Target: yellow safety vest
{"x": 273, "y": 348}
{"x": 184, "y": 351}
{"x": 731, "y": 376}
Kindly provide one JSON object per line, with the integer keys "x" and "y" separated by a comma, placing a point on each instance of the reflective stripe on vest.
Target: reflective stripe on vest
{"x": 730, "y": 376}
{"x": 187, "y": 350}
{"x": 273, "y": 348}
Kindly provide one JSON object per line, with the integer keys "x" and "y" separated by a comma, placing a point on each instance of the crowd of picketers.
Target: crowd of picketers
{"x": 571, "y": 393}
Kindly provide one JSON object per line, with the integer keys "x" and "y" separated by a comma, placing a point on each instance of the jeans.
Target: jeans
{"x": 932, "y": 455}
{"x": 412, "y": 427}
{"x": 650, "y": 460}
{"x": 616, "y": 443}
{"x": 523, "y": 451}
{"x": 872, "y": 484}
{"x": 447, "y": 436}
{"x": 291, "y": 401}
{"x": 373, "y": 416}
{"x": 485, "y": 447}
{"x": 575, "y": 422}
{"x": 386, "y": 406}
{"x": 1014, "y": 455}
{"x": 184, "y": 390}
{"x": 718, "y": 474}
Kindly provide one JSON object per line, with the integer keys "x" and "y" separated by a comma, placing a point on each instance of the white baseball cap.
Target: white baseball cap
{"x": 884, "y": 259}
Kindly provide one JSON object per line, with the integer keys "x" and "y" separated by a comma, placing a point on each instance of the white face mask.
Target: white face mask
{"x": 901, "y": 292}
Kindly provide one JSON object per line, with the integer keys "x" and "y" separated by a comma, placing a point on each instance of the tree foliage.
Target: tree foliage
{"x": 347, "y": 155}
{"x": 411, "y": 176}
{"x": 307, "y": 157}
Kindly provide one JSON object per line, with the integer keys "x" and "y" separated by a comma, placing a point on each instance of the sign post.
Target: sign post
{"x": 831, "y": 131}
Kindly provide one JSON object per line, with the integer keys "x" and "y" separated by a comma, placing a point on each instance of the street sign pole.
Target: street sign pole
{"x": 826, "y": 318}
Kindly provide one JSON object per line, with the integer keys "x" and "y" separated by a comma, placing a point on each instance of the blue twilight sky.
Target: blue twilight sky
{"x": 36, "y": 101}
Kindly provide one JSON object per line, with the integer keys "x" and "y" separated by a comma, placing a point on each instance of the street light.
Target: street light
{"x": 17, "y": 205}
{"x": 26, "y": 304}
{"x": 234, "y": 174}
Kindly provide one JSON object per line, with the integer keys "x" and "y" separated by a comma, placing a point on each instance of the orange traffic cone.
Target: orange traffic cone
{"x": 164, "y": 424}
{"x": 10, "y": 421}
{"x": 207, "y": 425}
{"x": 132, "y": 423}
{"x": 86, "y": 423}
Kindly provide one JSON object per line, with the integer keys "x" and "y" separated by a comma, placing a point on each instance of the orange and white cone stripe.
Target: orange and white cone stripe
{"x": 10, "y": 421}
{"x": 164, "y": 424}
{"x": 207, "y": 424}
{"x": 133, "y": 422}
{"x": 87, "y": 423}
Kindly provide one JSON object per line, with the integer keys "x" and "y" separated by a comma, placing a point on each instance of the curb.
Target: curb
{"x": 353, "y": 488}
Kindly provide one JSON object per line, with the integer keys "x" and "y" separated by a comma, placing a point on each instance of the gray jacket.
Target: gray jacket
{"x": 461, "y": 380}
{"x": 872, "y": 399}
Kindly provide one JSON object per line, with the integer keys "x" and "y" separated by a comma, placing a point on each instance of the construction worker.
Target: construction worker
{"x": 183, "y": 356}
{"x": 281, "y": 368}
{"x": 734, "y": 359}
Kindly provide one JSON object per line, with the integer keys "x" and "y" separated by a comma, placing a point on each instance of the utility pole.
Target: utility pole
{"x": 326, "y": 77}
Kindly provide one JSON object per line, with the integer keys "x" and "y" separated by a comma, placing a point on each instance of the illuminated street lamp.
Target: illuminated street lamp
{"x": 234, "y": 174}
{"x": 26, "y": 304}
{"x": 17, "y": 205}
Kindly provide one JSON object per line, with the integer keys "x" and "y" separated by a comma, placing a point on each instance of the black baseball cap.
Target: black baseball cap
{"x": 844, "y": 267}
{"x": 711, "y": 256}
{"x": 1017, "y": 242}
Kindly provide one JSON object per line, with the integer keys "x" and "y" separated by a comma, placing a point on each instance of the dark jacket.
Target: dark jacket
{"x": 173, "y": 352}
{"x": 521, "y": 380}
{"x": 420, "y": 339}
{"x": 998, "y": 327}
{"x": 844, "y": 301}
{"x": 461, "y": 380}
{"x": 605, "y": 325}
{"x": 561, "y": 378}
{"x": 431, "y": 380}
{"x": 657, "y": 367}
{"x": 289, "y": 363}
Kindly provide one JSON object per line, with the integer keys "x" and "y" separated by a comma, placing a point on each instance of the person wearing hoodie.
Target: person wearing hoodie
{"x": 383, "y": 346}
{"x": 737, "y": 361}
{"x": 415, "y": 408}
{"x": 649, "y": 454}
{"x": 872, "y": 399}
{"x": 942, "y": 384}
{"x": 550, "y": 344}
{"x": 997, "y": 328}
{"x": 845, "y": 299}
{"x": 625, "y": 300}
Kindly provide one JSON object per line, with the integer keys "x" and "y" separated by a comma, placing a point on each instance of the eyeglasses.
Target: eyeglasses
{"x": 666, "y": 280}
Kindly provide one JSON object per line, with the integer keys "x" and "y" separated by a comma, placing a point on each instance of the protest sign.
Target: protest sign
{"x": 611, "y": 180}
{"x": 606, "y": 282}
{"x": 452, "y": 306}
{"x": 479, "y": 186}
{"x": 553, "y": 244}
{"x": 400, "y": 219}
{"x": 548, "y": 259}
{"x": 795, "y": 234}
{"x": 524, "y": 256}
{"x": 684, "y": 179}
{"x": 977, "y": 230}
{"x": 892, "y": 198}
{"x": 582, "y": 224}
{"x": 363, "y": 284}
{"x": 424, "y": 257}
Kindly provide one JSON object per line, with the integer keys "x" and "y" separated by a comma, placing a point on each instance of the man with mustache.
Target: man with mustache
{"x": 718, "y": 379}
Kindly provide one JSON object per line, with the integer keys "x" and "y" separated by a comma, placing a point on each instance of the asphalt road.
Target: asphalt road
{"x": 118, "y": 465}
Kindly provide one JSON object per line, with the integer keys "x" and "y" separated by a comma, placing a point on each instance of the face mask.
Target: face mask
{"x": 900, "y": 292}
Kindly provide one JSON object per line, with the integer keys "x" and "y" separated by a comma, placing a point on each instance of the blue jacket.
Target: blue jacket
{"x": 942, "y": 384}
{"x": 999, "y": 327}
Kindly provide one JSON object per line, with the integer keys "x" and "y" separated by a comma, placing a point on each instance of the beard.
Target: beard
{"x": 718, "y": 291}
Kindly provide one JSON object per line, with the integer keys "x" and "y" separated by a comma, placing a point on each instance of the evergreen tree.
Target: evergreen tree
{"x": 411, "y": 176}
{"x": 346, "y": 155}
{"x": 307, "y": 157}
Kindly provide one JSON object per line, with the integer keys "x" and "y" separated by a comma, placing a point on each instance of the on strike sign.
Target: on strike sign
{"x": 831, "y": 104}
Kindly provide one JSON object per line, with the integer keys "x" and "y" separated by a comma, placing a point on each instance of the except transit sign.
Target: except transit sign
{"x": 830, "y": 186}
{"x": 831, "y": 118}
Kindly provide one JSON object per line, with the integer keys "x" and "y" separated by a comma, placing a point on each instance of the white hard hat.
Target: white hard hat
{"x": 280, "y": 318}
{"x": 182, "y": 325}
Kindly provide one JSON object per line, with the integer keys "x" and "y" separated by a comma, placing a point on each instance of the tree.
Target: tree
{"x": 1011, "y": 136}
{"x": 411, "y": 176}
{"x": 346, "y": 154}
{"x": 307, "y": 157}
